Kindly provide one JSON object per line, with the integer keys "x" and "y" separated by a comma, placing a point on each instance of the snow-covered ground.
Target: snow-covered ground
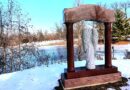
{"x": 46, "y": 78}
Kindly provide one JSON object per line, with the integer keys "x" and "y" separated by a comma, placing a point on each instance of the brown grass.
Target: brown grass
{"x": 58, "y": 43}
{"x": 63, "y": 43}
{"x": 122, "y": 42}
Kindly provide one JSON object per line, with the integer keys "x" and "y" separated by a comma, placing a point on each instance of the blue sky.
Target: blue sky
{"x": 46, "y": 13}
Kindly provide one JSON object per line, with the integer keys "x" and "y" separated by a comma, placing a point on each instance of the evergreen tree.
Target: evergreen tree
{"x": 121, "y": 28}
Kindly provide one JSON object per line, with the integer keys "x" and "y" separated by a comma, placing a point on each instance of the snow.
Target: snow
{"x": 45, "y": 43}
{"x": 46, "y": 78}
{"x": 38, "y": 78}
{"x": 117, "y": 47}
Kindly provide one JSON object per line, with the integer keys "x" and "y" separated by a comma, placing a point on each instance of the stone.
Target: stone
{"x": 83, "y": 72}
{"x": 90, "y": 81}
{"x": 89, "y": 12}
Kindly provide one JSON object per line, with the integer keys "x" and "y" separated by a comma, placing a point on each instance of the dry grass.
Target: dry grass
{"x": 58, "y": 43}
{"x": 63, "y": 43}
{"x": 122, "y": 42}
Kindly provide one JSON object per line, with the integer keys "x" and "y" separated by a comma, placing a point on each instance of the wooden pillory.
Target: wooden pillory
{"x": 79, "y": 77}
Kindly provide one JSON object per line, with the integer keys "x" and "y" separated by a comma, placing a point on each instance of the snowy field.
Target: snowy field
{"x": 46, "y": 78}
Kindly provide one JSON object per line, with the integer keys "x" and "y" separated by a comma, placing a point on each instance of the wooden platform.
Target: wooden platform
{"x": 83, "y": 77}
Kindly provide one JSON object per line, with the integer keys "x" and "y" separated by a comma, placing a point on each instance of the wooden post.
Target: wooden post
{"x": 70, "y": 47}
{"x": 108, "y": 30}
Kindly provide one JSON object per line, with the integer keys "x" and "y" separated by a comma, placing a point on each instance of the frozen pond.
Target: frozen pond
{"x": 47, "y": 55}
{"x": 118, "y": 54}
{"x": 62, "y": 51}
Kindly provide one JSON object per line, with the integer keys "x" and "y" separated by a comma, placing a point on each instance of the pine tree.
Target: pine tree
{"x": 121, "y": 28}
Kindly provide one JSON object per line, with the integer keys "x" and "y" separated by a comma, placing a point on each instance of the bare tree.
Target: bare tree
{"x": 13, "y": 26}
{"x": 122, "y": 6}
{"x": 78, "y": 27}
{"x": 2, "y": 42}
